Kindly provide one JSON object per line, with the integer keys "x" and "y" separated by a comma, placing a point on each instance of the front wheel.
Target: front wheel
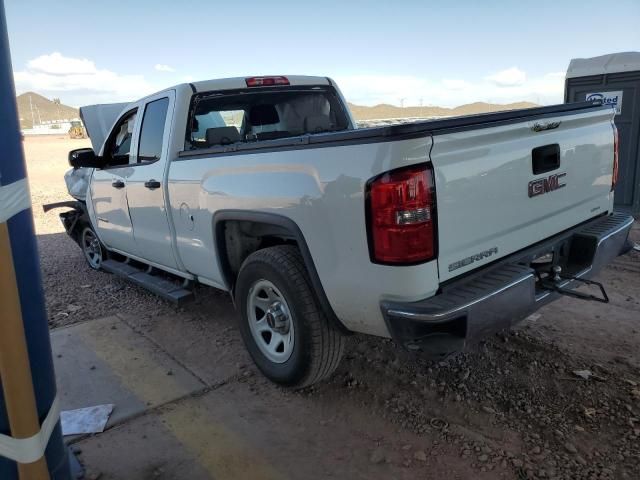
{"x": 92, "y": 249}
{"x": 286, "y": 332}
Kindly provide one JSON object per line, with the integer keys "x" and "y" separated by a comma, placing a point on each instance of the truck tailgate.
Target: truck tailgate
{"x": 490, "y": 203}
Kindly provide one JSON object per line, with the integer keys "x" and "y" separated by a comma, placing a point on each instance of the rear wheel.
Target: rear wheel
{"x": 286, "y": 332}
{"x": 91, "y": 248}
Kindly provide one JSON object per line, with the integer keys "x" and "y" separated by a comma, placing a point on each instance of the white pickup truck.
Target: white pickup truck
{"x": 434, "y": 233}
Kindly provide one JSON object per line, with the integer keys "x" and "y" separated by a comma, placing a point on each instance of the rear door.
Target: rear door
{"x": 501, "y": 189}
{"x": 146, "y": 185}
{"x": 108, "y": 194}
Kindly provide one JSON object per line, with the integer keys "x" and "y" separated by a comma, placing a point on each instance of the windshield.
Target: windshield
{"x": 249, "y": 116}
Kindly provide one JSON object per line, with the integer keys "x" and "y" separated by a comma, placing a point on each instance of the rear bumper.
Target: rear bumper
{"x": 498, "y": 296}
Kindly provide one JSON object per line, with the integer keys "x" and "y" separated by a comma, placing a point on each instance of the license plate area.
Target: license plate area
{"x": 568, "y": 257}
{"x": 559, "y": 264}
{"x": 543, "y": 259}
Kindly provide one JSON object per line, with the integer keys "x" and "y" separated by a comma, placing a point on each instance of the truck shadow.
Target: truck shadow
{"x": 74, "y": 292}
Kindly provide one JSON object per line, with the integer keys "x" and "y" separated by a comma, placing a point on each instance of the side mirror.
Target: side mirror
{"x": 85, "y": 158}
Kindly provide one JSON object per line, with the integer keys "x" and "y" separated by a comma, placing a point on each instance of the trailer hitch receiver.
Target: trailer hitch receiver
{"x": 556, "y": 282}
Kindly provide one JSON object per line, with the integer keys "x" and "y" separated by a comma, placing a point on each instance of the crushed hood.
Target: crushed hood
{"x": 98, "y": 120}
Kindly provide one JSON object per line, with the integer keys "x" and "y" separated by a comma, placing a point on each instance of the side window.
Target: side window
{"x": 119, "y": 147}
{"x": 152, "y": 131}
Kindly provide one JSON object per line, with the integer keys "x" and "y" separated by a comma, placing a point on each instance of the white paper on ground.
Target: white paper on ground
{"x": 85, "y": 420}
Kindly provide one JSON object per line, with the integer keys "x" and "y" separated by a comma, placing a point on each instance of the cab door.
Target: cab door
{"x": 109, "y": 210}
{"x": 146, "y": 185}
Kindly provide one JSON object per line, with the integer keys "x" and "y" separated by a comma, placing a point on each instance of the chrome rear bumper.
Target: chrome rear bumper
{"x": 504, "y": 293}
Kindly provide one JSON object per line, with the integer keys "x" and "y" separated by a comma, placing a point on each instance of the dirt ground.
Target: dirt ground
{"x": 511, "y": 408}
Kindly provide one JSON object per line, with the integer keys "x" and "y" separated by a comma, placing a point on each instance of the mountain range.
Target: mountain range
{"x": 391, "y": 111}
{"x": 34, "y": 109}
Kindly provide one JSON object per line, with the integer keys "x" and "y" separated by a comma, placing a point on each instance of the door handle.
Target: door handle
{"x": 117, "y": 184}
{"x": 152, "y": 184}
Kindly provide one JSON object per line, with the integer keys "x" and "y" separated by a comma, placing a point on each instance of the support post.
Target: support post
{"x": 26, "y": 365}
{"x": 15, "y": 370}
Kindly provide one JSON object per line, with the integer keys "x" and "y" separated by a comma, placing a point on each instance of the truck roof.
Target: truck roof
{"x": 241, "y": 82}
{"x": 235, "y": 83}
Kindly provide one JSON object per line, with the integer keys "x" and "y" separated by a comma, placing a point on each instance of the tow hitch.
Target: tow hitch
{"x": 556, "y": 282}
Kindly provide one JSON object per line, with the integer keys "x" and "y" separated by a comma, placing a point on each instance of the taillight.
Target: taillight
{"x": 401, "y": 216}
{"x": 266, "y": 81}
{"x": 616, "y": 143}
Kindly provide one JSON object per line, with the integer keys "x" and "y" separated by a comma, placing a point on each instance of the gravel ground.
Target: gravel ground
{"x": 512, "y": 408}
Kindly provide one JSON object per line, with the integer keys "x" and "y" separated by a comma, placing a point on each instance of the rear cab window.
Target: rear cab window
{"x": 251, "y": 115}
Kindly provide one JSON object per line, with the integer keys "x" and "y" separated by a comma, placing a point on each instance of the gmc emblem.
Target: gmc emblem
{"x": 546, "y": 185}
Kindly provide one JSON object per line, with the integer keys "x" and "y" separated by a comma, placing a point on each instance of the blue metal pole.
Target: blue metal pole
{"x": 22, "y": 240}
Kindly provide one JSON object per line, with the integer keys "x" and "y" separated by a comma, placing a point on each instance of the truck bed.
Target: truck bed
{"x": 400, "y": 131}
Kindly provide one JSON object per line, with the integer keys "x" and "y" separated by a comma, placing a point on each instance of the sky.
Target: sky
{"x": 402, "y": 52}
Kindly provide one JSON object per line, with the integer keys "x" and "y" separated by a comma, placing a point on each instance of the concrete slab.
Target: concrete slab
{"x": 105, "y": 361}
{"x": 225, "y": 434}
{"x": 140, "y": 449}
{"x": 250, "y": 429}
{"x": 210, "y": 347}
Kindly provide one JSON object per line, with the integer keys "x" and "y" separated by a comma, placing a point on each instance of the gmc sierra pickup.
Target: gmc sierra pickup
{"x": 434, "y": 233}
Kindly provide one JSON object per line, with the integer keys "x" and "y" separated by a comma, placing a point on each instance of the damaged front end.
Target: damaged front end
{"x": 77, "y": 218}
{"x": 73, "y": 220}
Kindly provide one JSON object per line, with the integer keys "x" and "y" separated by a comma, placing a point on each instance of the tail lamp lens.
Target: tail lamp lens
{"x": 616, "y": 146}
{"x": 402, "y": 216}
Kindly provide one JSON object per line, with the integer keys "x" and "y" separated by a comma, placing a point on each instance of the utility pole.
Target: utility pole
{"x": 31, "y": 446}
{"x": 56, "y": 102}
{"x": 33, "y": 120}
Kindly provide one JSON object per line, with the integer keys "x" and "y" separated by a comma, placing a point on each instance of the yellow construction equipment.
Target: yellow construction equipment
{"x": 77, "y": 130}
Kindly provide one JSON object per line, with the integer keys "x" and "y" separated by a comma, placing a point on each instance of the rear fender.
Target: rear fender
{"x": 282, "y": 224}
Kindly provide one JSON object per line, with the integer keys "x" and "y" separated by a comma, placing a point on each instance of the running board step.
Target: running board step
{"x": 158, "y": 285}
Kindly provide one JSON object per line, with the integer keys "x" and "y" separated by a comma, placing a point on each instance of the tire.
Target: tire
{"x": 93, "y": 251}
{"x": 310, "y": 349}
